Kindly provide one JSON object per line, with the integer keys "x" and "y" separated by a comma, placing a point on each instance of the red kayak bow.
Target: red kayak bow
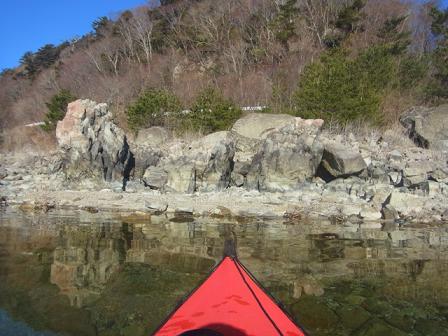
{"x": 229, "y": 302}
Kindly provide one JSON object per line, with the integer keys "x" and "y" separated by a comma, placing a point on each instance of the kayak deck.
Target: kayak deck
{"x": 231, "y": 303}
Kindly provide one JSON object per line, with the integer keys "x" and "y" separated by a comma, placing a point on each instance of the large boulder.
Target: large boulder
{"x": 428, "y": 127}
{"x": 341, "y": 161}
{"x": 247, "y": 133}
{"x": 286, "y": 157}
{"x": 202, "y": 165}
{"x": 406, "y": 204}
{"x": 415, "y": 176}
{"x": 256, "y": 126}
{"x": 155, "y": 177}
{"x": 93, "y": 143}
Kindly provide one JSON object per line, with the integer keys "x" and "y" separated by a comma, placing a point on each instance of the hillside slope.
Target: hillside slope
{"x": 254, "y": 52}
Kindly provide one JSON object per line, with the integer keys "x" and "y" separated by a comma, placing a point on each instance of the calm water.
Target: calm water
{"x": 101, "y": 274}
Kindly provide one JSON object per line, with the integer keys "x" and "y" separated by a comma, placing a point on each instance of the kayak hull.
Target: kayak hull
{"x": 229, "y": 302}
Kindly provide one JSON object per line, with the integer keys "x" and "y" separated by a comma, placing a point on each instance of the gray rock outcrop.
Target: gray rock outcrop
{"x": 428, "y": 127}
{"x": 92, "y": 143}
{"x": 146, "y": 147}
{"x": 202, "y": 165}
{"x": 286, "y": 157}
{"x": 247, "y": 134}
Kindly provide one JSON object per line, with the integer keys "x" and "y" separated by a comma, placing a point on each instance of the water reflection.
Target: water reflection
{"x": 97, "y": 274}
{"x": 87, "y": 257}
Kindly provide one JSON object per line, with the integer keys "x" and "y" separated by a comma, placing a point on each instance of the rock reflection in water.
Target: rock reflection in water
{"x": 86, "y": 258}
{"x": 115, "y": 276}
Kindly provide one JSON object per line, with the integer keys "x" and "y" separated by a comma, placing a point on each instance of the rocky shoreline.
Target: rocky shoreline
{"x": 266, "y": 166}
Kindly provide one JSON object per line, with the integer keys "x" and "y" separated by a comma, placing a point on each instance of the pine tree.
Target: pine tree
{"x": 395, "y": 39}
{"x": 350, "y": 16}
{"x": 284, "y": 24}
{"x": 347, "y": 22}
{"x": 439, "y": 27}
{"x": 57, "y": 107}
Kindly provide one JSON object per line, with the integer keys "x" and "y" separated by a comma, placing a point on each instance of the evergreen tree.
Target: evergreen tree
{"x": 27, "y": 60}
{"x": 350, "y": 16}
{"x": 341, "y": 87}
{"x": 284, "y": 23}
{"x": 337, "y": 88}
{"x": 347, "y": 22}
{"x": 395, "y": 39}
{"x": 212, "y": 112}
{"x": 57, "y": 107}
{"x": 154, "y": 107}
{"x": 439, "y": 87}
{"x": 46, "y": 56}
{"x": 41, "y": 59}
{"x": 167, "y": 2}
{"x": 100, "y": 26}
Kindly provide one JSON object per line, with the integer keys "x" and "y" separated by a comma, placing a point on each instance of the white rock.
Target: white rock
{"x": 406, "y": 203}
{"x": 370, "y": 214}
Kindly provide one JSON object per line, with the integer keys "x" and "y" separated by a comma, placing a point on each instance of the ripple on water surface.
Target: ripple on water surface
{"x": 75, "y": 273}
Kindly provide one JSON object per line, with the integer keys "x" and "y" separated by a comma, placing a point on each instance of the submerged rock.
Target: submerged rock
{"x": 377, "y": 327}
{"x": 156, "y": 207}
{"x": 353, "y": 317}
{"x": 315, "y": 314}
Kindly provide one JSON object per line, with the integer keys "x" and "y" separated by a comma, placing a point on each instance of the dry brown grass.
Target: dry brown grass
{"x": 27, "y": 139}
{"x": 393, "y": 106}
{"x": 394, "y": 134}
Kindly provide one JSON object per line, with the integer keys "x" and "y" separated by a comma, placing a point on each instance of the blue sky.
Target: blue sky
{"x": 26, "y": 25}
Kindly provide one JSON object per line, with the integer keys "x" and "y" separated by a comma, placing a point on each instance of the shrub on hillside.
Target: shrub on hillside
{"x": 212, "y": 112}
{"x": 338, "y": 89}
{"x": 342, "y": 88}
{"x": 57, "y": 107}
{"x": 412, "y": 70}
{"x": 154, "y": 107}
